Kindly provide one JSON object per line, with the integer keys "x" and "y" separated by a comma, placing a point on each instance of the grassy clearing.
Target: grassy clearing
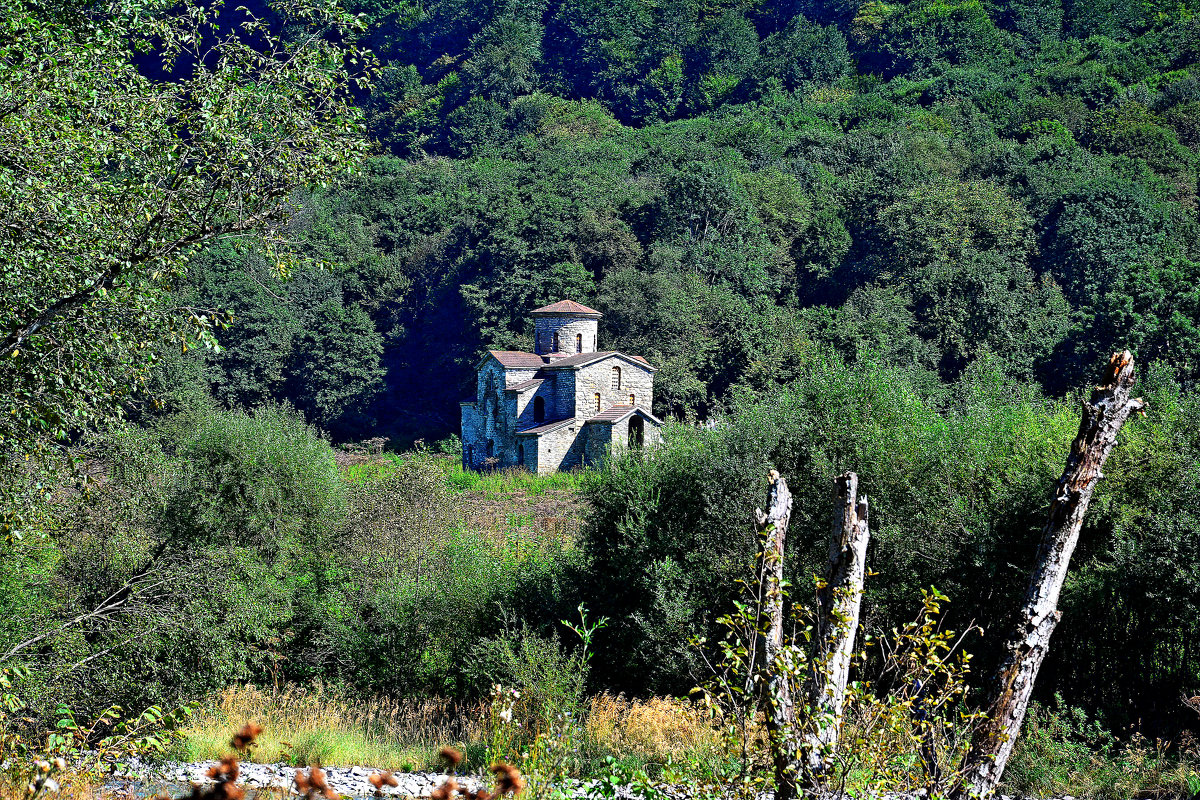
{"x": 1061, "y": 752}
{"x": 507, "y": 483}
{"x": 499, "y": 484}
{"x": 320, "y": 724}
{"x": 303, "y": 725}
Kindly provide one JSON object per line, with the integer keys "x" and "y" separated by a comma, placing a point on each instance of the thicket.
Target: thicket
{"x": 240, "y": 552}
{"x": 959, "y": 483}
{"x": 940, "y": 184}
{"x": 219, "y": 547}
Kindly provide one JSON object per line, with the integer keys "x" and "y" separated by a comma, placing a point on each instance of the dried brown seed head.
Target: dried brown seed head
{"x": 445, "y": 791}
{"x": 224, "y": 772}
{"x": 380, "y": 780}
{"x": 508, "y": 779}
{"x": 244, "y": 738}
{"x": 451, "y": 756}
{"x": 301, "y": 780}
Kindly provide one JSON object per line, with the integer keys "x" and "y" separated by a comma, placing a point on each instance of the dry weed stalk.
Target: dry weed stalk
{"x": 225, "y": 772}
{"x": 381, "y": 779}
{"x": 314, "y": 785}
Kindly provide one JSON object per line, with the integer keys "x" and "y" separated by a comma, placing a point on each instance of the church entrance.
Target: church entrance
{"x": 637, "y": 431}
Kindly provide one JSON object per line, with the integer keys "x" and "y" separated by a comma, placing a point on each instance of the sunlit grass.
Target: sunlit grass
{"x": 493, "y": 485}
{"x": 318, "y": 724}
{"x": 511, "y": 482}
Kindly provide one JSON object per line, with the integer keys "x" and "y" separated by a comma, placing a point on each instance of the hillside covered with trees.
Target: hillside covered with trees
{"x": 936, "y": 184}
{"x": 895, "y": 238}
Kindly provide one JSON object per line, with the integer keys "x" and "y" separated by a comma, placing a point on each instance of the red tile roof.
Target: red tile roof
{"x": 580, "y": 358}
{"x": 612, "y": 414}
{"x": 545, "y": 428}
{"x": 620, "y": 412}
{"x": 567, "y": 307}
{"x": 523, "y": 385}
{"x": 517, "y": 359}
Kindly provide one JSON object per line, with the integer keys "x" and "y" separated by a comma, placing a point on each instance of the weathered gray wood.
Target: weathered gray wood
{"x": 1103, "y": 415}
{"x": 839, "y": 600}
{"x": 781, "y": 720}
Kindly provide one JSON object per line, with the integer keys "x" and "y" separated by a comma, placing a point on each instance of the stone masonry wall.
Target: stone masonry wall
{"x": 597, "y": 378}
{"x": 493, "y": 417}
{"x": 563, "y": 394}
{"x": 598, "y": 440}
{"x": 567, "y": 327}
{"x": 548, "y": 391}
{"x": 561, "y": 449}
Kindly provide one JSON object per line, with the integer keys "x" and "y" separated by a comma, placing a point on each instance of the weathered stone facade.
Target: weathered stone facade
{"x": 565, "y": 405}
{"x": 567, "y": 335}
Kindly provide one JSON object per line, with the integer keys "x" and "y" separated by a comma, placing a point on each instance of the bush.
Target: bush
{"x": 200, "y": 547}
{"x": 1063, "y": 750}
{"x": 956, "y": 487}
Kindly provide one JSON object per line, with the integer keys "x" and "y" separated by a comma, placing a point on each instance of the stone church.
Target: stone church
{"x": 564, "y": 405}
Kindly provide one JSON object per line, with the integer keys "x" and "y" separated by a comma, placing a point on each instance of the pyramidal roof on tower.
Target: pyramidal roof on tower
{"x": 567, "y": 307}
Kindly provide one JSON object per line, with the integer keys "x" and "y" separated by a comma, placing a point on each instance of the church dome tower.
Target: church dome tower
{"x": 565, "y": 328}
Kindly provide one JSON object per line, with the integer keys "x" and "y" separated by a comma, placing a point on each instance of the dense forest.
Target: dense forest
{"x": 896, "y": 238}
{"x": 936, "y": 184}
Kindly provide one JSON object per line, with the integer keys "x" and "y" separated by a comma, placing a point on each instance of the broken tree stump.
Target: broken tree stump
{"x": 1103, "y": 415}
{"x": 839, "y": 600}
{"x": 781, "y": 717}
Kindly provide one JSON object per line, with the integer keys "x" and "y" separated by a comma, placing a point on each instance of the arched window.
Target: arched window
{"x": 539, "y": 409}
{"x": 616, "y": 379}
{"x": 597, "y": 402}
{"x": 579, "y": 343}
{"x": 632, "y": 399}
{"x": 555, "y": 348}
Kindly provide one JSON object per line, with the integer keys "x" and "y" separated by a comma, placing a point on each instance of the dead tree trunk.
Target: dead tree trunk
{"x": 839, "y": 599}
{"x": 1103, "y": 416}
{"x": 781, "y": 718}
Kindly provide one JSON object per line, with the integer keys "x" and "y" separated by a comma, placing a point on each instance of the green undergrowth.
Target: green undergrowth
{"x": 511, "y": 482}
{"x": 1062, "y": 751}
{"x": 493, "y": 485}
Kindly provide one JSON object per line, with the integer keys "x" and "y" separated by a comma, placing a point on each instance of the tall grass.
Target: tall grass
{"x": 512, "y": 482}
{"x": 1061, "y": 751}
{"x": 321, "y": 724}
{"x": 654, "y": 731}
{"x": 498, "y": 484}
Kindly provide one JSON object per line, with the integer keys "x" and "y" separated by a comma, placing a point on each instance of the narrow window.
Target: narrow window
{"x": 555, "y": 349}
{"x": 597, "y": 402}
{"x": 470, "y": 455}
{"x": 579, "y": 343}
{"x": 521, "y": 453}
{"x": 595, "y": 342}
{"x": 632, "y": 400}
{"x": 637, "y": 431}
{"x": 539, "y": 409}
{"x": 616, "y": 379}
{"x": 491, "y": 451}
